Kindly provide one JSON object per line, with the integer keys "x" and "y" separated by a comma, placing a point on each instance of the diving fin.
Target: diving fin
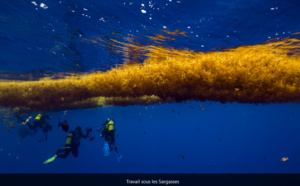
{"x": 120, "y": 157}
{"x": 50, "y": 159}
{"x": 106, "y": 149}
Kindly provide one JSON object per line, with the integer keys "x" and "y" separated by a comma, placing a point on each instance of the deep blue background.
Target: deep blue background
{"x": 223, "y": 138}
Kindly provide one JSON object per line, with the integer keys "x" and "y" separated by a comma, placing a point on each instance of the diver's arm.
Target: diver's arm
{"x": 103, "y": 132}
{"x": 88, "y": 130}
{"x": 102, "y": 126}
{"x": 84, "y": 136}
{"x": 48, "y": 117}
{"x": 99, "y": 128}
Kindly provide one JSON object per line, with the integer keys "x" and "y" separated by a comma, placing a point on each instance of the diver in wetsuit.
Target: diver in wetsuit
{"x": 40, "y": 121}
{"x": 108, "y": 132}
{"x": 72, "y": 144}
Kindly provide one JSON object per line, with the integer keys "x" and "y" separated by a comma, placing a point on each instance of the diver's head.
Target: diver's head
{"x": 78, "y": 128}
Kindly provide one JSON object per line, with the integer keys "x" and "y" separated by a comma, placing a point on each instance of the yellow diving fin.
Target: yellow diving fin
{"x": 50, "y": 159}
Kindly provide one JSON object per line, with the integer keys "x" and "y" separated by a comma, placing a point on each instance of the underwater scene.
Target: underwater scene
{"x": 156, "y": 86}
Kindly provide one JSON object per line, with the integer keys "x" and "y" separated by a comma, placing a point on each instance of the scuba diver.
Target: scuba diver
{"x": 72, "y": 144}
{"x": 40, "y": 121}
{"x": 108, "y": 132}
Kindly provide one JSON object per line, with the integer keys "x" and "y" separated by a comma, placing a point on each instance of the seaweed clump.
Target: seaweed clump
{"x": 265, "y": 73}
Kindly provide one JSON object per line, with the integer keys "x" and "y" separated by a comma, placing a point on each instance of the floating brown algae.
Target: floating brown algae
{"x": 265, "y": 73}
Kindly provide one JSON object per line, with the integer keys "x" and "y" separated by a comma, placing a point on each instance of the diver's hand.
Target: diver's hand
{"x": 88, "y": 129}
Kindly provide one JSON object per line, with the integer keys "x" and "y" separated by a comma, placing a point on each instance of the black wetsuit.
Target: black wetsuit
{"x": 109, "y": 136}
{"x": 73, "y": 146}
{"x": 40, "y": 123}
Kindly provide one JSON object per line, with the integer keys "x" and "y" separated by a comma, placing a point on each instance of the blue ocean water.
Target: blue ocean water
{"x": 44, "y": 36}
